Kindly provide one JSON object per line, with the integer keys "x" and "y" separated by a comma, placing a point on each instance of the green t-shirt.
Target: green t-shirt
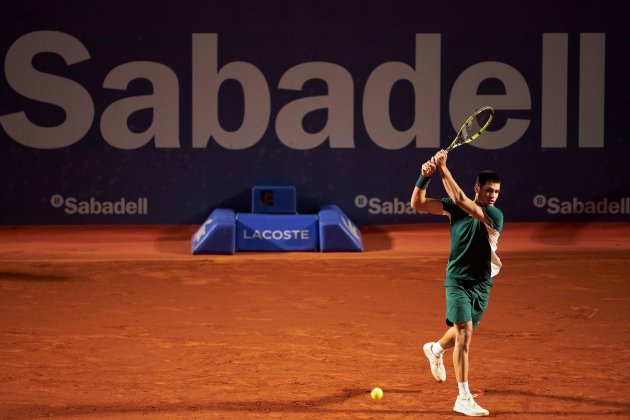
{"x": 473, "y": 244}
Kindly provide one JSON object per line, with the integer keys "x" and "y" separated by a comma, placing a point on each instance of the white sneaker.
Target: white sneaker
{"x": 436, "y": 363}
{"x": 469, "y": 407}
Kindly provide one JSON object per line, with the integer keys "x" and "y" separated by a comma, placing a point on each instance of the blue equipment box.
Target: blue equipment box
{"x": 337, "y": 232}
{"x": 217, "y": 234}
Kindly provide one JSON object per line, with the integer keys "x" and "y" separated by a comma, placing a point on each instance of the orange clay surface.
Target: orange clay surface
{"x": 123, "y": 322}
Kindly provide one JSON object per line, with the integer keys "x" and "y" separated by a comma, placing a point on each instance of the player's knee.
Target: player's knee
{"x": 464, "y": 334}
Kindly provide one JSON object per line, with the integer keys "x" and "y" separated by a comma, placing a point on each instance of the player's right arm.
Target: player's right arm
{"x": 419, "y": 200}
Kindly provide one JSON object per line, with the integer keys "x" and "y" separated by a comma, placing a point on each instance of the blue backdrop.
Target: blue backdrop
{"x": 159, "y": 112}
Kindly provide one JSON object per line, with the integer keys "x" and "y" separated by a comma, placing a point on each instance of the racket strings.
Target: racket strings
{"x": 473, "y": 127}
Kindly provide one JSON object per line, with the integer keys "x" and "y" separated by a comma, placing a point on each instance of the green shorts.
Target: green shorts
{"x": 467, "y": 301}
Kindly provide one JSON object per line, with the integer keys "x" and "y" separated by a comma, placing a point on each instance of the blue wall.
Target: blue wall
{"x": 157, "y": 112}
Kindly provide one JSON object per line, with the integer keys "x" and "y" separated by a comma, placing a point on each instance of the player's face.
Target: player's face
{"x": 488, "y": 193}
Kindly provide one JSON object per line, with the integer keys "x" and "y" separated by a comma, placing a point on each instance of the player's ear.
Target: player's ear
{"x": 477, "y": 188}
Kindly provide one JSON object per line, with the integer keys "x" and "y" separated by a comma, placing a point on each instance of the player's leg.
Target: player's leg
{"x": 435, "y": 350}
{"x": 463, "y": 337}
{"x": 447, "y": 341}
{"x": 459, "y": 309}
{"x": 478, "y": 298}
{"x": 465, "y": 402}
{"x": 467, "y": 317}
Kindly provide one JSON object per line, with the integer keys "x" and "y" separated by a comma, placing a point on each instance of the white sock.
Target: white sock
{"x": 464, "y": 392}
{"x": 437, "y": 349}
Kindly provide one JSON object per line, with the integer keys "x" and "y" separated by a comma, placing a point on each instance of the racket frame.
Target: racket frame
{"x": 461, "y": 140}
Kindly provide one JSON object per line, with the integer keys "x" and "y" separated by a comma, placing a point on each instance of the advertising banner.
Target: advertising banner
{"x": 159, "y": 112}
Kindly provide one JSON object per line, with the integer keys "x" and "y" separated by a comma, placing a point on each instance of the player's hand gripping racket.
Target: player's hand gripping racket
{"x": 474, "y": 126}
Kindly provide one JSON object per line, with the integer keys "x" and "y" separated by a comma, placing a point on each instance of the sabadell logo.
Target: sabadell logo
{"x": 376, "y": 205}
{"x": 92, "y": 206}
{"x": 555, "y": 205}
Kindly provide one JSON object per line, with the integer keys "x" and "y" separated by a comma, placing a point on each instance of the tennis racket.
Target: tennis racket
{"x": 474, "y": 126}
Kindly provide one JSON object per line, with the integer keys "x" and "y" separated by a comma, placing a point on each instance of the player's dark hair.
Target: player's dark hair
{"x": 488, "y": 176}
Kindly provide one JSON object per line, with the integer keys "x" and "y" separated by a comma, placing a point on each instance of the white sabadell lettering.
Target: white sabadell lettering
{"x": 94, "y": 207}
{"x": 396, "y": 206}
{"x": 576, "y": 206}
{"x": 209, "y": 71}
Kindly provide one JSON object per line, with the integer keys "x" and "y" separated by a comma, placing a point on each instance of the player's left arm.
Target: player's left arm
{"x": 455, "y": 192}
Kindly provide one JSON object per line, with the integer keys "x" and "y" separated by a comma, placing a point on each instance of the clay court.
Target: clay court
{"x": 123, "y": 322}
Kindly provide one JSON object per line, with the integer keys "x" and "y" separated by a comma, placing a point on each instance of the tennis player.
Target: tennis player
{"x": 475, "y": 228}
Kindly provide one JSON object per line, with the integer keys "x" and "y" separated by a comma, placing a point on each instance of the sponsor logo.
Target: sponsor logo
{"x": 92, "y": 206}
{"x": 376, "y": 205}
{"x": 261, "y": 100}
{"x": 555, "y": 205}
{"x": 202, "y": 230}
{"x": 277, "y": 235}
{"x": 350, "y": 227}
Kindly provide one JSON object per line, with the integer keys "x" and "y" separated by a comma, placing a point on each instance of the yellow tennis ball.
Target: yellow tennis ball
{"x": 377, "y": 393}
